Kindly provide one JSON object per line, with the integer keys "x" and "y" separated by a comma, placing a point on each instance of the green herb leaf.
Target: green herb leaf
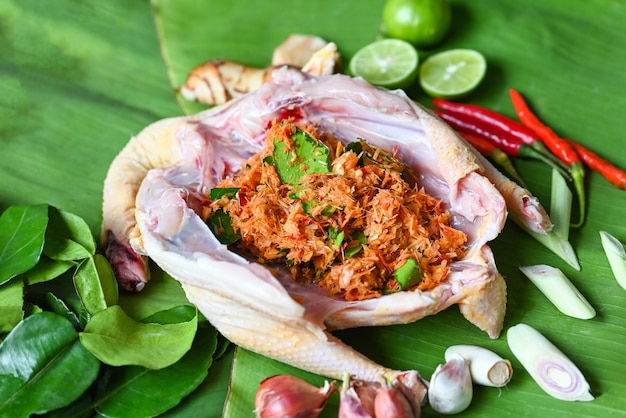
{"x": 134, "y": 391}
{"x": 162, "y": 293}
{"x": 219, "y": 192}
{"x": 118, "y": 340}
{"x": 11, "y": 305}
{"x": 307, "y": 156}
{"x": 357, "y": 241}
{"x": 335, "y": 235}
{"x": 220, "y": 224}
{"x": 408, "y": 274}
{"x": 357, "y": 148}
{"x": 46, "y": 270}
{"x": 210, "y": 392}
{"x": 68, "y": 237}
{"x": 96, "y": 284}
{"x": 22, "y": 235}
{"x": 58, "y": 306}
{"x": 41, "y": 353}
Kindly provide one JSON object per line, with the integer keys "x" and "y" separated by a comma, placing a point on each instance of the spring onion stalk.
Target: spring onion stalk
{"x": 556, "y": 374}
{"x": 559, "y": 290}
{"x": 450, "y": 389}
{"x": 616, "y": 255}
{"x": 560, "y": 212}
{"x": 486, "y": 367}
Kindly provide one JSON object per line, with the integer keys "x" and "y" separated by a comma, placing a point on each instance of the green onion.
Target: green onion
{"x": 408, "y": 274}
{"x": 560, "y": 211}
{"x": 559, "y": 290}
{"x": 616, "y": 255}
{"x": 556, "y": 374}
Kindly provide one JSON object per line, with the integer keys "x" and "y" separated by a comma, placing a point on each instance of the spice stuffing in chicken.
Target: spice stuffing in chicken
{"x": 349, "y": 221}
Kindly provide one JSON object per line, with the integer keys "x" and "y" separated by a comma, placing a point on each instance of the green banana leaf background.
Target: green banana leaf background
{"x": 78, "y": 78}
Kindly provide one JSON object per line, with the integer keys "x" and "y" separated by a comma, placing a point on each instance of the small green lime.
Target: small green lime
{"x": 452, "y": 74}
{"x": 389, "y": 63}
{"x": 421, "y": 22}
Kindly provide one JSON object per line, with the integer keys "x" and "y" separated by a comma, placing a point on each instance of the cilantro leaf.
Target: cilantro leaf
{"x": 307, "y": 156}
{"x": 218, "y": 192}
{"x": 220, "y": 224}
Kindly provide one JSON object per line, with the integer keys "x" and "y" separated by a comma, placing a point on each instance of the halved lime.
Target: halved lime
{"x": 390, "y": 63}
{"x": 452, "y": 74}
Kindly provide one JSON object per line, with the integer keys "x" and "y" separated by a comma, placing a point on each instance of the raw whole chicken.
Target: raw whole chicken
{"x": 154, "y": 188}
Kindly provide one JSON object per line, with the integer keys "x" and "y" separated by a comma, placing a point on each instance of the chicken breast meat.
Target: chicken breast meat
{"x": 154, "y": 188}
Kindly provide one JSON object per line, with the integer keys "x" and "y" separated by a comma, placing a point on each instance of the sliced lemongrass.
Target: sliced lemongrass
{"x": 560, "y": 205}
{"x": 486, "y": 367}
{"x": 555, "y": 285}
{"x": 552, "y": 370}
{"x": 616, "y": 255}
{"x": 450, "y": 389}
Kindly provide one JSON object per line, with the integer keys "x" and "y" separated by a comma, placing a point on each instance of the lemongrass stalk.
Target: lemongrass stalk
{"x": 552, "y": 370}
{"x": 552, "y": 241}
{"x": 450, "y": 389}
{"x": 486, "y": 367}
{"x": 555, "y": 285}
{"x": 560, "y": 205}
{"x": 616, "y": 254}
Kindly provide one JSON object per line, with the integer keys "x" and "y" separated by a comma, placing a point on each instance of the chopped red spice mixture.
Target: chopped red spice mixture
{"x": 348, "y": 228}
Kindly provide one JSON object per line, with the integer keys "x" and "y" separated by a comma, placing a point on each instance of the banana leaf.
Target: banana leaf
{"x": 79, "y": 78}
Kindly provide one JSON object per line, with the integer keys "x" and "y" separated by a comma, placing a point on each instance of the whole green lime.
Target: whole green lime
{"x": 421, "y": 22}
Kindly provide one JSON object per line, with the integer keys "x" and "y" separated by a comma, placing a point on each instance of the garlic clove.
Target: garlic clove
{"x": 285, "y": 396}
{"x": 486, "y": 367}
{"x": 451, "y": 390}
{"x": 553, "y": 371}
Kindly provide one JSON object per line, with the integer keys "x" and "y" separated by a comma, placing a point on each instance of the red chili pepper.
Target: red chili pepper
{"x": 494, "y": 153}
{"x": 509, "y": 144}
{"x": 559, "y": 146}
{"x": 495, "y": 122}
{"x": 613, "y": 174}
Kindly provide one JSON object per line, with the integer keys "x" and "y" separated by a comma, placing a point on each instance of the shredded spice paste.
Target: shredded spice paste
{"x": 343, "y": 217}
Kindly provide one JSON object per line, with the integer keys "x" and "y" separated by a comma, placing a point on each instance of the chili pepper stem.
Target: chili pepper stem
{"x": 503, "y": 160}
{"x": 543, "y": 150}
{"x": 578, "y": 175}
{"x": 531, "y": 152}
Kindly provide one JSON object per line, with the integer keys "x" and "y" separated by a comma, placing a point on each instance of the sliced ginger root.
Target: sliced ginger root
{"x": 219, "y": 81}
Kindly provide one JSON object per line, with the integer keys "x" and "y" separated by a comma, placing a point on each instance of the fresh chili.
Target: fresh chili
{"x": 494, "y": 153}
{"x": 494, "y": 122}
{"x": 511, "y": 145}
{"x": 559, "y": 146}
{"x": 613, "y": 174}
{"x": 490, "y": 117}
